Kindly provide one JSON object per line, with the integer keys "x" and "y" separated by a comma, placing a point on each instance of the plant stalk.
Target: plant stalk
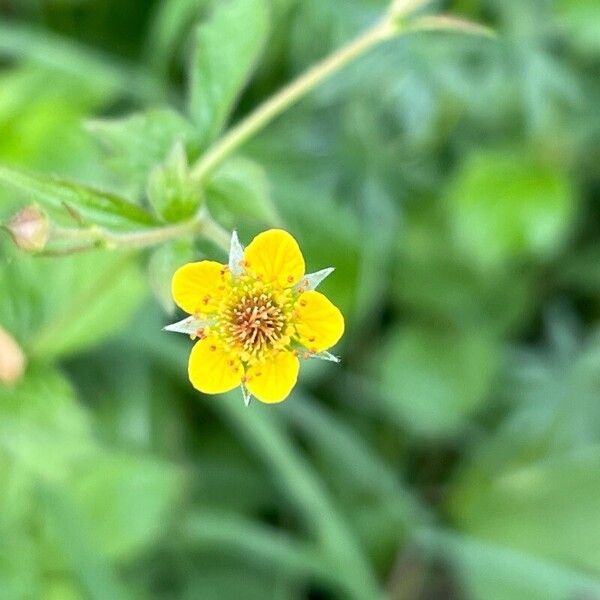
{"x": 92, "y": 237}
{"x": 202, "y": 224}
{"x": 289, "y": 95}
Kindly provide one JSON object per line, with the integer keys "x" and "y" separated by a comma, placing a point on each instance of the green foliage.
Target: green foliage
{"x": 542, "y": 508}
{"x": 240, "y": 189}
{"x": 227, "y": 48}
{"x": 49, "y": 458}
{"x": 37, "y": 137}
{"x": 164, "y": 261}
{"x": 61, "y": 307}
{"x": 130, "y": 495}
{"x": 434, "y": 380}
{"x": 503, "y": 206}
{"x": 491, "y": 571}
{"x": 581, "y": 19}
{"x": 81, "y": 203}
{"x": 135, "y": 144}
{"x": 453, "y": 184}
{"x": 171, "y": 192}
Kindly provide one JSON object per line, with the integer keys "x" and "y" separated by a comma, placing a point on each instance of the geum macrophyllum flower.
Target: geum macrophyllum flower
{"x": 254, "y": 318}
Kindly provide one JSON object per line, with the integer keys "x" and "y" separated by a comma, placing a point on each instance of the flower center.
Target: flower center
{"x": 255, "y": 322}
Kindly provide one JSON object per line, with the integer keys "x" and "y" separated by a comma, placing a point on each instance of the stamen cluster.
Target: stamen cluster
{"x": 254, "y": 320}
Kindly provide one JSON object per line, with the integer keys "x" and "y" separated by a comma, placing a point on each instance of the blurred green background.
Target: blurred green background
{"x": 453, "y": 182}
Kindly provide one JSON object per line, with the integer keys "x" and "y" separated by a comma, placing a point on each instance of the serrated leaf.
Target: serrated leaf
{"x": 59, "y": 195}
{"x": 228, "y": 46}
{"x": 240, "y": 188}
{"x": 135, "y": 144}
{"x": 171, "y": 192}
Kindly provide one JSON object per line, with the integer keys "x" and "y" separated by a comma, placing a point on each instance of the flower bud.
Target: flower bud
{"x": 12, "y": 359}
{"x": 29, "y": 229}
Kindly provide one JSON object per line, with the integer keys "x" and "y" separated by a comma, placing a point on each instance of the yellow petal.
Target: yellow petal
{"x": 211, "y": 369}
{"x": 319, "y": 323}
{"x": 198, "y": 287}
{"x": 275, "y": 256}
{"x": 273, "y": 379}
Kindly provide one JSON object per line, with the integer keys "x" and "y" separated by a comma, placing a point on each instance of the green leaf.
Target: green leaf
{"x": 231, "y": 579}
{"x": 36, "y": 116}
{"x": 240, "y": 188}
{"x": 489, "y": 571}
{"x": 70, "y": 529}
{"x": 61, "y": 588}
{"x": 171, "y": 192}
{"x": 57, "y": 307}
{"x": 581, "y": 20}
{"x": 292, "y": 474}
{"x": 42, "y": 428}
{"x": 63, "y": 196}
{"x": 504, "y": 206}
{"x": 257, "y": 544}
{"x": 432, "y": 380}
{"x": 431, "y": 281}
{"x": 68, "y": 58}
{"x": 228, "y": 47}
{"x": 546, "y": 508}
{"x": 164, "y": 261}
{"x": 298, "y": 481}
{"x": 135, "y": 144}
{"x": 18, "y": 573}
{"x": 170, "y": 26}
{"x": 126, "y": 501}
{"x": 361, "y": 466}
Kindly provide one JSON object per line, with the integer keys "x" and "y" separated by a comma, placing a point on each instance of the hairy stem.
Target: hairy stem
{"x": 392, "y": 24}
{"x": 92, "y": 237}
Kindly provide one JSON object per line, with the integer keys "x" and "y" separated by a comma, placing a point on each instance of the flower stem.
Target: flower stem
{"x": 93, "y": 237}
{"x": 289, "y": 95}
{"x": 392, "y": 24}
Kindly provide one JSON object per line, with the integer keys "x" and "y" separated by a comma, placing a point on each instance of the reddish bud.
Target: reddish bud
{"x": 29, "y": 229}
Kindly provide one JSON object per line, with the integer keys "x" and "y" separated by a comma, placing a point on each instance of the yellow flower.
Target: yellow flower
{"x": 254, "y": 318}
